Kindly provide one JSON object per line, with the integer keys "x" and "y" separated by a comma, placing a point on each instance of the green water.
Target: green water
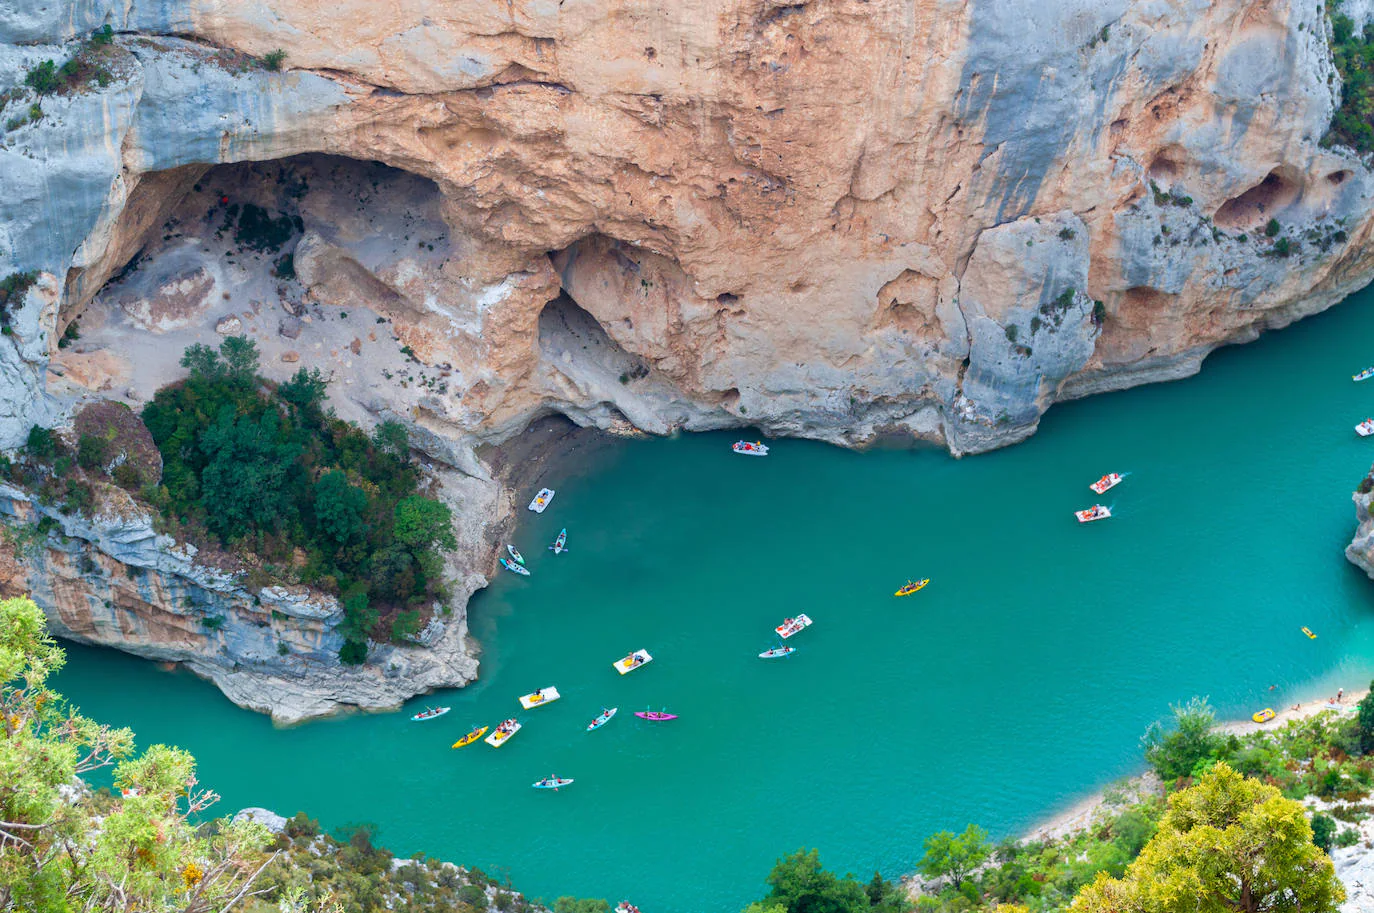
{"x": 1021, "y": 678}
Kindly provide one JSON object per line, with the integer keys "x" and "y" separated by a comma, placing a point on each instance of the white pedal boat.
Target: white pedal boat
{"x": 603, "y": 719}
{"x": 1366, "y": 374}
{"x": 1096, "y": 512}
{"x": 542, "y": 500}
{"x": 1365, "y": 428}
{"x": 503, "y": 733}
{"x": 633, "y": 661}
{"x": 1106, "y": 483}
{"x": 539, "y": 698}
{"x": 750, "y": 448}
{"x": 625, "y": 907}
{"x": 791, "y": 626}
{"x": 777, "y": 652}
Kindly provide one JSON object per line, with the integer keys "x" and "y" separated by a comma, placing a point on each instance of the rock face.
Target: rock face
{"x": 113, "y": 581}
{"x": 1360, "y": 551}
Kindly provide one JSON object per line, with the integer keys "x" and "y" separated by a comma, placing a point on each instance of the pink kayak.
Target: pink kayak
{"x": 655, "y": 715}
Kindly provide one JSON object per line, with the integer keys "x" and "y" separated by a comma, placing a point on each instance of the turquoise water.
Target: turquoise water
{"x": 1021, "y": 678}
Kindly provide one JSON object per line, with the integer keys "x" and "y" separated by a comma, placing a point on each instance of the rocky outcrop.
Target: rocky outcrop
{"x": 111, "y": 580}
{"x": 1360, "y": 551}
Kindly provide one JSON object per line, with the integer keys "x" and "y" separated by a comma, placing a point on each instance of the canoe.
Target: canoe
{"x": 603, "y": 719}
{"x": 1309, "y": 633}
{"x": 1365, "y": 428}
{"x": 1366, "y": 374}
{"x": 791, "y": 626}
{"x": 432, "y": 713}
{"x": 633, "y": 661}
{"x": 471, "y": 736}
{"x": 515, "y": 568}
{"x": 552, "y": 782}
{"x": 542, "y": 500}
{"x": 1263, "y": 716}
{"x": 655, "y": 715}
{"x": 777, "y": 652}
{"x": 1106, "y": 483}
{"x": 560, "y": 545}
{"x": 539, "y": 698}
{"x": 1096, "y": 512}
{"x": 912, "y": 587}
{"x": 502, "y": 734}
{"x": 750, "y": 448}
{"x": 515, "y": 553}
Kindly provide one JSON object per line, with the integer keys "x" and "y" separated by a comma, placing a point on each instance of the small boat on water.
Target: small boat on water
{"x": 633, "y": 661}
{"x": 1365, "y": 428}
{"x": 1106, "y": 483}
{"x": 560, "y": 545}
{"x": 1096, "y": 512}
{"x": 515, "y": 553}
{"x": 542, "y": 500}
{"x": 1264, "y": 715}
{"x": 912, "y": 587}
{"x": 655, "y": 715}
{"x": 1366, "y": 374}
{"x": 471, "y": 736}
{"x": 625, "y": 907}
{"x": 791, "y": 626}
{"x": 515, "y": 568}
{"x": 503, "y": 732}
{"x": 777, "y": 652}
{"x": 429, "y": 713}
{"x": 750, "y": 448}
{"x": 603, "y": 719}
{"x": 1308, "y": 632}
{"x": 552, "y": 782}
{"x": 539, "y": 698}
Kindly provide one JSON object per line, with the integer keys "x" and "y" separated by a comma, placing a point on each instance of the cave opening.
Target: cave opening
{"x": 1259, "y": 203}
{"x": 574, "y": 342}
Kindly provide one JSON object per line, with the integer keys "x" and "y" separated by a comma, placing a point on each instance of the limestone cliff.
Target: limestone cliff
{"x": 1360, "y": 551}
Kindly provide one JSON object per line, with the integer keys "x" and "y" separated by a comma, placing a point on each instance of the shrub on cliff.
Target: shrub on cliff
{"x": 1179, "y": 752}
{"x": 266, "y": 469}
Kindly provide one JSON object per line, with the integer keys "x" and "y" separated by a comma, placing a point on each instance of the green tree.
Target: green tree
{"x": 43, "y": 78}
{"x": 422, "y": 523}
{"x": 141, "y": 849}
{"x": 202, "y": 362}
{"x": 955, "y": 856}
{"x": 1226, "y": 845}
{"x": 305, "y": 390}
{"x": 245, "y": 484}
{"x": 1366, "y": 721}
{"x": 800, "y": 885}
{"x": 1176, "y": 753}
{"x": 1323, "y": 831}
{"x": 240, "y": 356}
{"x": 391, "y": 437}
{"x": 580, "y": 905}
{"x": 359, "y": 620}
{"x": 339, "y": 508}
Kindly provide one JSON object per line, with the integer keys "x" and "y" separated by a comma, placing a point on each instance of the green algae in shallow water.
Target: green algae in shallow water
{"x": 1020, "y": 678}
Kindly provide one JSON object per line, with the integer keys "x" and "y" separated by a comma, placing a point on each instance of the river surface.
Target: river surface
{"x": 1020, "y": 679}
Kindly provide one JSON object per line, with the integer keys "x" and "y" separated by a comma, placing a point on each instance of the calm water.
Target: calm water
{"x": 1021, "y": 678}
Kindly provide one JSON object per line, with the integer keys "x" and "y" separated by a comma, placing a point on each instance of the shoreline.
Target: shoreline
{"x": 1081, "y": 814}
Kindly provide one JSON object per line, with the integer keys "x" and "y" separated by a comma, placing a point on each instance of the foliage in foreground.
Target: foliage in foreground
{"x": 1353, "y": 56}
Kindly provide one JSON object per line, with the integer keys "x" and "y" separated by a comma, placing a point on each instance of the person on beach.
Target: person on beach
{"x": 1340, "y": 693}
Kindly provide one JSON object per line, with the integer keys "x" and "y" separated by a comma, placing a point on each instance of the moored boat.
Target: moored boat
{"x": 1096, "y": 512}
{"x": 504, "y": 731}
{"x": 750, "y": 448}
{"x": 515, "y": 553}
{"x": 552, "y": 782}
{"x": 777, "y": 652}
{"x": 514, "y": 568}
{"x": 1264, "y": 715}
{"x": 633, "y": 661}
{"x": 542, "y": 500}
{"x": 912, "y": 587}
{"x": 429, "y": 713}
{"x": 1365, "y": 428}
{"x": 625, "y": 907}
{"x": 603, "y": 719}
{"x": 656, "y": 715}
{"x": 471, "y": 736}
{"x": 791, "y": 626}
{"x": 560, "y": 545}
{"x": 1366, "y": 374}
{"x": 1106, "y": 483}
{"x": 539, "y": 698}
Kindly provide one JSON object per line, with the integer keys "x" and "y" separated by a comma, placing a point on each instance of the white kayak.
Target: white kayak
{"x": 777, "y": 652}
{"x": 502, "y": 734}
{"x": 552, "y": 782}
{"x": 633, "y": 661}
{"x": 539, "y": 698}
{"x": 433, "y": 713}
{"x": 791, "y": 626}
{"x": 1106, "y": 483}
{"x": 603, "y": 719}
{"x": 750, "y": 448}
{"x": 1365, "y": 428}
{"x": 1096, "y": 512}
{"x": 541, "y": 500}
{"x": 515, "y": 568}
{"x": 515, "y": 553}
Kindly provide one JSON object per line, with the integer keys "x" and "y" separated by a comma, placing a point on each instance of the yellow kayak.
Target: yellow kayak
{"x": 911, "y": 587}
{"x": 471, "y": 737}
